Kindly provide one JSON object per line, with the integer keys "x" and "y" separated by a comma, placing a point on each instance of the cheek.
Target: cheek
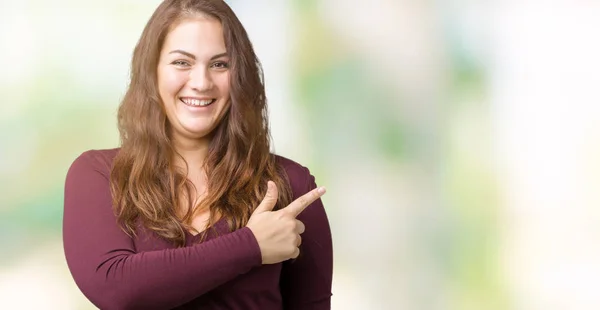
{"x": 223, "y": 83}
{"x": 170, "y": 82}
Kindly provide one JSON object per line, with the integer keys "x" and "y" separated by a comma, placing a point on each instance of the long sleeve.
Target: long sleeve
{"x": 306, "y": 281}
{"x": 112, "y": 275}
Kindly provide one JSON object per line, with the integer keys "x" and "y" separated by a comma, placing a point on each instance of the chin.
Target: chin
{"x": 197, "y": 133}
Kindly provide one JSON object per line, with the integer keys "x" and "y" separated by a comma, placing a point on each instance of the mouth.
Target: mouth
{"x": 196, "y": 103}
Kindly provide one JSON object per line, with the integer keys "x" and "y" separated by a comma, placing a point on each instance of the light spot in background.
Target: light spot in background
{"x": 545, "y": 93}
{"x": 38, "y": 281}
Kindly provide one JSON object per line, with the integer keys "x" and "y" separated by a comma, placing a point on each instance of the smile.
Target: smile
{"x": 192, "y": 102}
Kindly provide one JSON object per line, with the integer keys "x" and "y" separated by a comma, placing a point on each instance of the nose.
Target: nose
{"x": 200, "y": 79}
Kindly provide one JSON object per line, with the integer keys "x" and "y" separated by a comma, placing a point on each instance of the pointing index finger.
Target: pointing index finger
{"x": 298, "y": 205}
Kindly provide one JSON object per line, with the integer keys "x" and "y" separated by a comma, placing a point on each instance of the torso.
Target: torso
{"x": 260, "y": 286}
{"x": 257, "y": 289}
{"x": 200, "y": 221}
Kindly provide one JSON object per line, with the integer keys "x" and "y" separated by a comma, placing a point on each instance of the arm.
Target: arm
{"x": 106, "y": 267}
{"x": 306, "y": 281}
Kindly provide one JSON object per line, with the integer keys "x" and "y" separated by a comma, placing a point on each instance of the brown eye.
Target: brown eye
{"x": 180, "y": 63}
{"x": 220, "y": 65}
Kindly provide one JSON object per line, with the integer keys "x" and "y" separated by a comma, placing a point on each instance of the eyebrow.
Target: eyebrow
{"x": 190, "y": 55}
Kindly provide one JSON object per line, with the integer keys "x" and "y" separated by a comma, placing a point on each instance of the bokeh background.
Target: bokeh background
{"x": 459, "y": 140}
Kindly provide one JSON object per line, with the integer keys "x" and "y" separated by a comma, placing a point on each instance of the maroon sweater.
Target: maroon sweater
{"x": 115, "y": 271}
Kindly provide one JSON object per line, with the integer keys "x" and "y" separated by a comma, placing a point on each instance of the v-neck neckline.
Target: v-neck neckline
{"x": 217, "y": 226}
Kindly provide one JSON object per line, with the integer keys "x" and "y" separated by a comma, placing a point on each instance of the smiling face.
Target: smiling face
{"x": 193, "y": 79}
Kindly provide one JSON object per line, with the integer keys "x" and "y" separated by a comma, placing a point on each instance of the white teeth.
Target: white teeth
{"x": 197, "y": 102}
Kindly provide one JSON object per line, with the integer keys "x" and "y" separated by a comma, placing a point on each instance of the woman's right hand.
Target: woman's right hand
{"x": 278, "y": 232}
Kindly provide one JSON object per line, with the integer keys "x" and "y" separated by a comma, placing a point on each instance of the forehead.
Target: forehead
{"x": 199, "y": 36}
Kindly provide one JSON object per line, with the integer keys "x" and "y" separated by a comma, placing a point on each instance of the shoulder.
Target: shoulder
{"x": 97, "y": 160}
{"x": 300, "y": 178}
{"x": 294, "y": 170}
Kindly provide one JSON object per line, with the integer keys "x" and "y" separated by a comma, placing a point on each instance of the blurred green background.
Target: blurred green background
{"x": 459, "y": 141}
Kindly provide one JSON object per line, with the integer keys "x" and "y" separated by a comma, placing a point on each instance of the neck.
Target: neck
{"x": 194, "y": 153}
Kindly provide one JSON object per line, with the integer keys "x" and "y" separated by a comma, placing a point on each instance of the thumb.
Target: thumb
{"x": 268, "y": 203}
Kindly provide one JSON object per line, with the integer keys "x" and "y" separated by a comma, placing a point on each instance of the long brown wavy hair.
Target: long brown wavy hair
{"x": 146, "y": 186}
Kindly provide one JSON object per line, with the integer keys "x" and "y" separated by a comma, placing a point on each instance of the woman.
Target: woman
{"x": 192, "y": 211}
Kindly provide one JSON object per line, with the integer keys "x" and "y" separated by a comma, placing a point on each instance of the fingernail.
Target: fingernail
{"x": 321, "y": 190}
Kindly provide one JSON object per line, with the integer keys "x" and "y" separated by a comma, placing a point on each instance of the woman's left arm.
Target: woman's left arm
{"x": 306, "y": 281}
